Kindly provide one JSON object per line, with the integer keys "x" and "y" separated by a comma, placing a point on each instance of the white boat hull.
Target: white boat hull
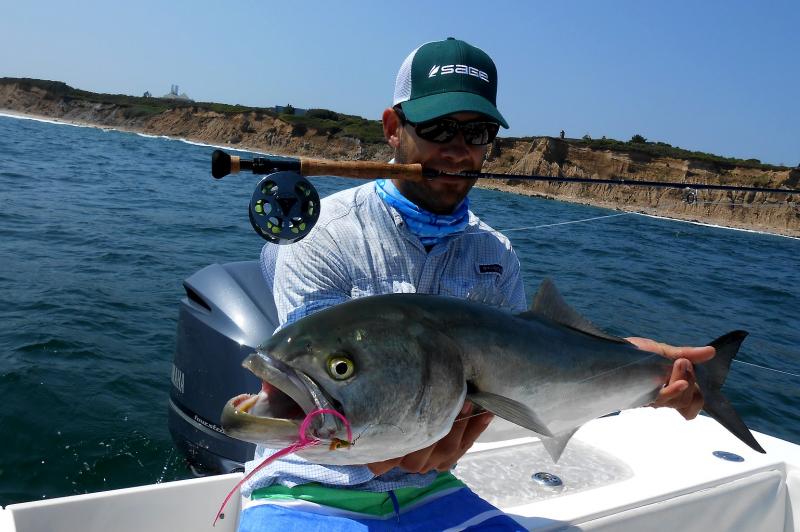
{"x": 644, "y": 469}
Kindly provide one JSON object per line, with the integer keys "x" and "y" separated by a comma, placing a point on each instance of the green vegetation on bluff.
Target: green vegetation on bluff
{"x": 132, "y": 106}
{"x": 641, "y": 145}
{"x": 322, "y": 120}
{"x": 332, "y": 124}
{"x": 661, "y": 149}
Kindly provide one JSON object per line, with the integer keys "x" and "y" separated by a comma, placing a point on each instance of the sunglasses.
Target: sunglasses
{"x": 441, "y": 130}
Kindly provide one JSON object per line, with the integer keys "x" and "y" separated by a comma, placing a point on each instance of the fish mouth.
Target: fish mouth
{"x": 275, "y": 414}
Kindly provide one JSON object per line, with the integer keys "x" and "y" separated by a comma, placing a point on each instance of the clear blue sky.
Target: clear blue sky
{"x": 716, "y": 76}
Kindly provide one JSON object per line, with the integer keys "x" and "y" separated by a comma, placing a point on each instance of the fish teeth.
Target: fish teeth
{"x": 246, "y": 404}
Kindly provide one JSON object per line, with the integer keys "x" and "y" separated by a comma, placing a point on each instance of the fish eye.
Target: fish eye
{"x": 340, "y": 367}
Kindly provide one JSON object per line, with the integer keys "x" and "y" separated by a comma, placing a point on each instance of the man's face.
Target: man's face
{"x": 438, "y": 195}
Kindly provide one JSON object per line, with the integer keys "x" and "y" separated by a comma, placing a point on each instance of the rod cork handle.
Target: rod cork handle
{"x": 361, "y": 169}
{"x": 235, "y": 164}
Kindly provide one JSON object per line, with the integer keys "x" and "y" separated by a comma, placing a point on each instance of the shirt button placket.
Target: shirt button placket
{"x": 431, "y": 270}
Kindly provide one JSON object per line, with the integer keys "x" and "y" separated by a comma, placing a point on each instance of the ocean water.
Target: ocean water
{"x": 98, "y": 228}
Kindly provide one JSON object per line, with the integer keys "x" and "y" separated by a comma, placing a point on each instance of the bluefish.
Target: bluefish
{"x": 400, "y": 366}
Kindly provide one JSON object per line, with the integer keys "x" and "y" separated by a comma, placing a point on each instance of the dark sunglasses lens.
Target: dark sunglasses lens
{"x": 445, "y": 129}
{"x": 479, "y": 133}
{"x": 437, "y": 130}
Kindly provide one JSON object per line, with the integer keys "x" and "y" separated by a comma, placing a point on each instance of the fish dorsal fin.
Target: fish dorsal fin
{"x": 555, "y": 445}
{"x": 510, "y": 410}
{"x": 549, "y": 303}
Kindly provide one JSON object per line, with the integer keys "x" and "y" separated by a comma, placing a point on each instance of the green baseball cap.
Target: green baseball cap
{"x": 444, "y": 77}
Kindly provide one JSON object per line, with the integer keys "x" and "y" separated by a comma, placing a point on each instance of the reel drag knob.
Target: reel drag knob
{"x": 284, "y": 207}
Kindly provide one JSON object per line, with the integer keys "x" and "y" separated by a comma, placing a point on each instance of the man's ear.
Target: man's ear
{"x": 391, "y": 127}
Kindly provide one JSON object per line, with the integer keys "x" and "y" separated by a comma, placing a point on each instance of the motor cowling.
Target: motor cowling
{"x": 228, "y": 310}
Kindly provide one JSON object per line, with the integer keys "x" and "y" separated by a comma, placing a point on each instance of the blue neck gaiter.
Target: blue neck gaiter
{"x": 429, "y": 227}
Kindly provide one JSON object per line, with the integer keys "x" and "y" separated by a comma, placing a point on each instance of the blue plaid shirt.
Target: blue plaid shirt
{"x": 361, "y": 247}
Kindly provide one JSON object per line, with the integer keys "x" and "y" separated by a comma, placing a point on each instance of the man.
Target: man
{"x": 401, "y": 236}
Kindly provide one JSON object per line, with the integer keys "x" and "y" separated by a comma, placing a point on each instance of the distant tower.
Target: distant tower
{"x": 174, "y": 90}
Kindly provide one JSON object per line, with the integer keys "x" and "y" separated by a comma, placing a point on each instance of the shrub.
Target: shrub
{"x": 298, "y": 130}
{"x": 323, "y": 114}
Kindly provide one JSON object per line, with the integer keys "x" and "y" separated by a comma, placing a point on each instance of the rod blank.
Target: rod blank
{"x": 223, "y": 164}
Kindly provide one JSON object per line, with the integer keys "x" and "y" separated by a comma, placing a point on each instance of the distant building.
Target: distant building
{"x": 173, "y": 95}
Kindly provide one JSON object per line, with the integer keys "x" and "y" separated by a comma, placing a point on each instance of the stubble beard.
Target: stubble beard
{"x": 436, "y": 197}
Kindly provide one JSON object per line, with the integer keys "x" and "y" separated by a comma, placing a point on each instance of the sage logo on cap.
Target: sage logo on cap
{"x": 445, "y": 77}
{"x": 458, "y": 69}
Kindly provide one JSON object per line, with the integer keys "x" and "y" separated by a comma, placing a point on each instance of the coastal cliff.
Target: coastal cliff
{"x": 773, "y": 212}
{"x": 330, "y": 135}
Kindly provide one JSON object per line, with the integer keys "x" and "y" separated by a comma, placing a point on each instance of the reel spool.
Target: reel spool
{"x": 284, "y": 207}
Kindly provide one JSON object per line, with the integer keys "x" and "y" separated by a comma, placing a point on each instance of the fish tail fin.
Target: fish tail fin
{"x": 711, "y": 376}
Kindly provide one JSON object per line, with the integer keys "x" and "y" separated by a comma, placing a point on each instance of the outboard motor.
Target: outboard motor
{"x": 228, "y": 311}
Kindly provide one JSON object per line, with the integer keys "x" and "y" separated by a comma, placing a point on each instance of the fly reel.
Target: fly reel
{"x": 284, "y": 207}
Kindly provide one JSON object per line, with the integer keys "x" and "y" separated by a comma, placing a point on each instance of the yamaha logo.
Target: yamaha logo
{"x": 458, "y": 69}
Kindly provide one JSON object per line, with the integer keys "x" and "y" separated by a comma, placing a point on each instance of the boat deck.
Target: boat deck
{"x": 644, "y": 469}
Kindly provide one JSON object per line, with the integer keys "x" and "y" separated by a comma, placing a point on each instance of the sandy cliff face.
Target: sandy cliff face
{"x": 540, "y": 156}
{"x": 778, "y": 213}
{"x": 251, "y": 130}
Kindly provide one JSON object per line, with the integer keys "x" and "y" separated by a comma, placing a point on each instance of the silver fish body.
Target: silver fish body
{"x": 400, "y": 366}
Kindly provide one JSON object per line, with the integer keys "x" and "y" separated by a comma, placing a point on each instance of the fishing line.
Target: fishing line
{"x": 749, "y": 205}
{"x": 303, "y": 442}
{"x": 532, "y": 227}
{"x": 613, "y": 370}
{"x": 715, "y": 226}
{"x": 558, "y": 223}
{"x": 789, "y": 373}
{"x": 374, "y": 425}
{"x": 166, "y": 466}
{"x": 656, "y": 354}
{"x": 482, "y": 412}
{"x": 271, "y": 204}
{"x": 692, "y": 197}
{"x": 286, "y": 205}
{"x": 463, "y": 418}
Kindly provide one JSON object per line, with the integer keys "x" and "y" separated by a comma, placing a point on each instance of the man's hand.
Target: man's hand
{"x": 681, "y": 391}
{"x": 443, "y": 454}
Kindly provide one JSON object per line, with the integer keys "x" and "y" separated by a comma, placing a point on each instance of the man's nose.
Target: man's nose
{"x": 457, "y": 147}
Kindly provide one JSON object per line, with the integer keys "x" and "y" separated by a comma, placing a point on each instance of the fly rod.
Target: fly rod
{"x": 223, "y": 164}
{"x": 285, "y": 205}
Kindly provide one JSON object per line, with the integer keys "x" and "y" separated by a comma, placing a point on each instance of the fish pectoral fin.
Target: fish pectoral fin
{"x": 510, "y": 410}
{"x": 555, "y": 445}
{"x": 549, "y": 304}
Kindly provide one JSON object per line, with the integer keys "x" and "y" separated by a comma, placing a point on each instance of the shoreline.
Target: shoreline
{"x": 501, "y": 187}
{"x": 650, "y": 212}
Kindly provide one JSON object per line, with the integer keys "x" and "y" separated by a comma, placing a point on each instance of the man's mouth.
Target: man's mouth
{"x": 452, "y": 172}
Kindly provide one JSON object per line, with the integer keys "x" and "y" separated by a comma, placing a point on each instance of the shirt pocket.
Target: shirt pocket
{"x": 369, "y": 286}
